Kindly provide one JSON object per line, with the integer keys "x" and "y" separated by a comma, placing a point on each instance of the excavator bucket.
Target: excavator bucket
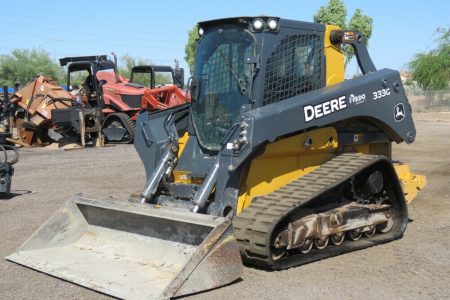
{"x": 133, "y": 250}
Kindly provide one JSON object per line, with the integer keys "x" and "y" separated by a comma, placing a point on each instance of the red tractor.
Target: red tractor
{"x": 95, "y": 82}
{"x": 166, "y": 86}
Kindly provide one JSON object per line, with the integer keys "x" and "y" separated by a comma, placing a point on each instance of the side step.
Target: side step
{"x": 133, "y": 250}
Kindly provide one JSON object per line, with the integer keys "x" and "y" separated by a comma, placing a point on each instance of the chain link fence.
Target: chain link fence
{"x": 432, "y": 101}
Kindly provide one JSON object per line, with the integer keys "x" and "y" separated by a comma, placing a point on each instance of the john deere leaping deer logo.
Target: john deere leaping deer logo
{"x": 399, "y": 112}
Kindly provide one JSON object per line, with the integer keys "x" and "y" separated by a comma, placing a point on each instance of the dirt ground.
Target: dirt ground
{"x": 417, "y": 266}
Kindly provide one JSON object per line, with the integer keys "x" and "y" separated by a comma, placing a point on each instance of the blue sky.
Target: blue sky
{"x": 157, "y": 30}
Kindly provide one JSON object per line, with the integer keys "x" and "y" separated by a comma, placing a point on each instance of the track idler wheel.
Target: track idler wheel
{"x": 371, "y": 232}
{"x": 278, "y": 253}
{"x": 321, "y": 243}
{"x": 306, "y": 247}
{"x": 387, "y": 226}
{"x": 338, "y": 238}
{"x": 354, "y": 235}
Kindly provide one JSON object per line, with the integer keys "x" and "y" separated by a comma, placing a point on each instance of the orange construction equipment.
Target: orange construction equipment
{"x": 106, "y": 102}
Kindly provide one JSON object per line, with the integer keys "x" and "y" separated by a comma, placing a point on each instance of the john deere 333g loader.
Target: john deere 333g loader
{"x": 278, "y": 161}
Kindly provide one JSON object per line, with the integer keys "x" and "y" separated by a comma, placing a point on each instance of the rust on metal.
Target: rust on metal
{"x": 336, "y": 221}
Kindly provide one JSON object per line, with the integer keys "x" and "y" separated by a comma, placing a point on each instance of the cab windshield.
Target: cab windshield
{"x": 224, "y": 82}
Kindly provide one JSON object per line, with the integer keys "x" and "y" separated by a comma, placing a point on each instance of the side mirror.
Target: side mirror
{"x": 100, "y": 85}
{"x": 179, "y": 77}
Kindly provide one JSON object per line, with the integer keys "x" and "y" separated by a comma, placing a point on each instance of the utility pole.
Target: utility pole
{"x": 53, "y": 40}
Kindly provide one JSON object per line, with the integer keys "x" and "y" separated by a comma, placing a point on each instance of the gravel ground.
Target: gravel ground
{"x": 417, "y": 266}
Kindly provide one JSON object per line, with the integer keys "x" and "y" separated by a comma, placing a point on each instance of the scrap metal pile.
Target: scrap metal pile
{"x": 33, "y": 105}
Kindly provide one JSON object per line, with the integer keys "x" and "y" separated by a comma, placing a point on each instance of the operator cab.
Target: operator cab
{"x": 80, "y": 81}
{"x": 81, "y": 77}
{"x": 234, "y": 72}
{"x": 157, "y": 76}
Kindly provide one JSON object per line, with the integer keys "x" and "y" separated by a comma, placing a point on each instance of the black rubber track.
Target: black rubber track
{"x": 254, "y": 227}
{"x": 127, "y": 123}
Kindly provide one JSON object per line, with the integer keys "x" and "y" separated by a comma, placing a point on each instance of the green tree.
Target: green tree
{"x": 431, "y": 70}
{"x": 335, "y": 13}
{"x": 127, "y": 62}
{"x": 363, "y": 24}
{"x": 190, "y": 47}
{"x": 23, "y": 65}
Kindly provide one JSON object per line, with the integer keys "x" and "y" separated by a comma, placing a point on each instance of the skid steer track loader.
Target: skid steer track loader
{"x": 278, "y": 160}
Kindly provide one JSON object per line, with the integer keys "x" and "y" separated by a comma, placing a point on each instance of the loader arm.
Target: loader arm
{"x": 330, "y": 104}
{"x": 357, "y": 41}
